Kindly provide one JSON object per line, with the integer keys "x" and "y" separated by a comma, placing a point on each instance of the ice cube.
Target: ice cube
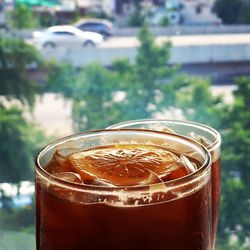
{"x": 160, "y": 127}
{"x": 59, "y": 163}
{"x": 69, "y": 176}
{"x": 59, "y": 157}
{"x": 153, "y": 178}
{"x": 201, "y": 139}
{"x": 190, "y": 166}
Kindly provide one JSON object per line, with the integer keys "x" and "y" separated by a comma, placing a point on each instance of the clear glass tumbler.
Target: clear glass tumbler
{"x": 204, "y": 134}
{"x": 72, "y": 214}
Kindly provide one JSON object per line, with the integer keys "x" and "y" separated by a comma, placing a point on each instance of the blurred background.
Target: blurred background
{"x": 75, "y": 65}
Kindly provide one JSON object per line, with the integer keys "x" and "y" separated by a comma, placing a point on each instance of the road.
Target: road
{"x": 188, "y": 49}
{"x": 177, "y": 40}
{"x": 189, "y": 40}
{"x": 53, "y": 114}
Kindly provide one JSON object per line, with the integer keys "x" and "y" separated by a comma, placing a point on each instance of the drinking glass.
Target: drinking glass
{"x": 204, "y": 134}
{"x": 174, "y": 214}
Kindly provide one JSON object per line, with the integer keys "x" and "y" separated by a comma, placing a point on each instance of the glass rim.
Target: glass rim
{"x": 206, "y": 164}
{"x": 217, "y": 137}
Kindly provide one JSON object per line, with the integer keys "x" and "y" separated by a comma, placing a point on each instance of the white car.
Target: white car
{"x": 66, "y": 35}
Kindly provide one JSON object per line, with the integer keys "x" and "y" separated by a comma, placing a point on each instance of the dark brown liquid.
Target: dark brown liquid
{"x": 216, "y": 168}
{"x": 65, "y": 223}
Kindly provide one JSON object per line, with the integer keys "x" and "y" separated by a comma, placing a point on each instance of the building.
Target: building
{"x": 198, "y": 12}
{"x": 186, "y": 12}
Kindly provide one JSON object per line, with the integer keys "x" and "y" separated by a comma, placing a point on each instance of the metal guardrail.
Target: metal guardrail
{"x": 188, "y": 30}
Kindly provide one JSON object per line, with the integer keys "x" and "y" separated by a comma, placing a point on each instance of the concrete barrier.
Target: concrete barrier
{"x": 80, "y": 57}
{"x": 187, "y": 30}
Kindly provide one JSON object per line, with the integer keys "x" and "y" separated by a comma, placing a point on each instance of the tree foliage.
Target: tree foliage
{"x": 236, "y": 164}
{"x": 128, "y": 91}
{"x": 193, "y": 96}
{"x": 19, "y": 138}
{"x": 136, "y": 18}
{"x": 22, "y": 17}
{"x": 233, "y": 11}
{"x": 20, "y": 141}
{"x": 15, "y": 57}
{"x": 132, "y": 90}
{"x": 91, "y": 91}
{"x": 95, "y": 88}
{"x": 145, "y": 80}
{"x": 61, "y": 79}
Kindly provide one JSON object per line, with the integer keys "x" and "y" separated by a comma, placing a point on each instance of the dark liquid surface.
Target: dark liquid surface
{"x": 68, "y": 224}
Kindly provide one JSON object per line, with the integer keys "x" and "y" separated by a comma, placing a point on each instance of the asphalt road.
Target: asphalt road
{"x": 178, "y": 40}
{"x": 189, "y": 40}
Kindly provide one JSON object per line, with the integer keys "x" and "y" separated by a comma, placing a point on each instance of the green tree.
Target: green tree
{"x": 151, "y": 85}
{"x": 145, "y": 80}
{"x": 236, "y": 164}
{"x": 233, "y": 11}
{"x": 92, "y": 91}
{"x": 193, "y": 96}
{"x": 20, "y": 141}
{"x": 147, "y": 86}
{"x": 22, "y": 17}
{"x": 94, "y": 106}
{"x": 136, "y": 18}
{"x": 95, "y": 90}
{"x": 15, "y": 58}
{"x": 61, "y": 79}
{"x": 19, "y": 138}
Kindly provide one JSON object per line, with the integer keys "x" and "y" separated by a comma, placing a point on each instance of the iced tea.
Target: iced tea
{"x": 123, "y": 190}
{"x": 206, "y": 135}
